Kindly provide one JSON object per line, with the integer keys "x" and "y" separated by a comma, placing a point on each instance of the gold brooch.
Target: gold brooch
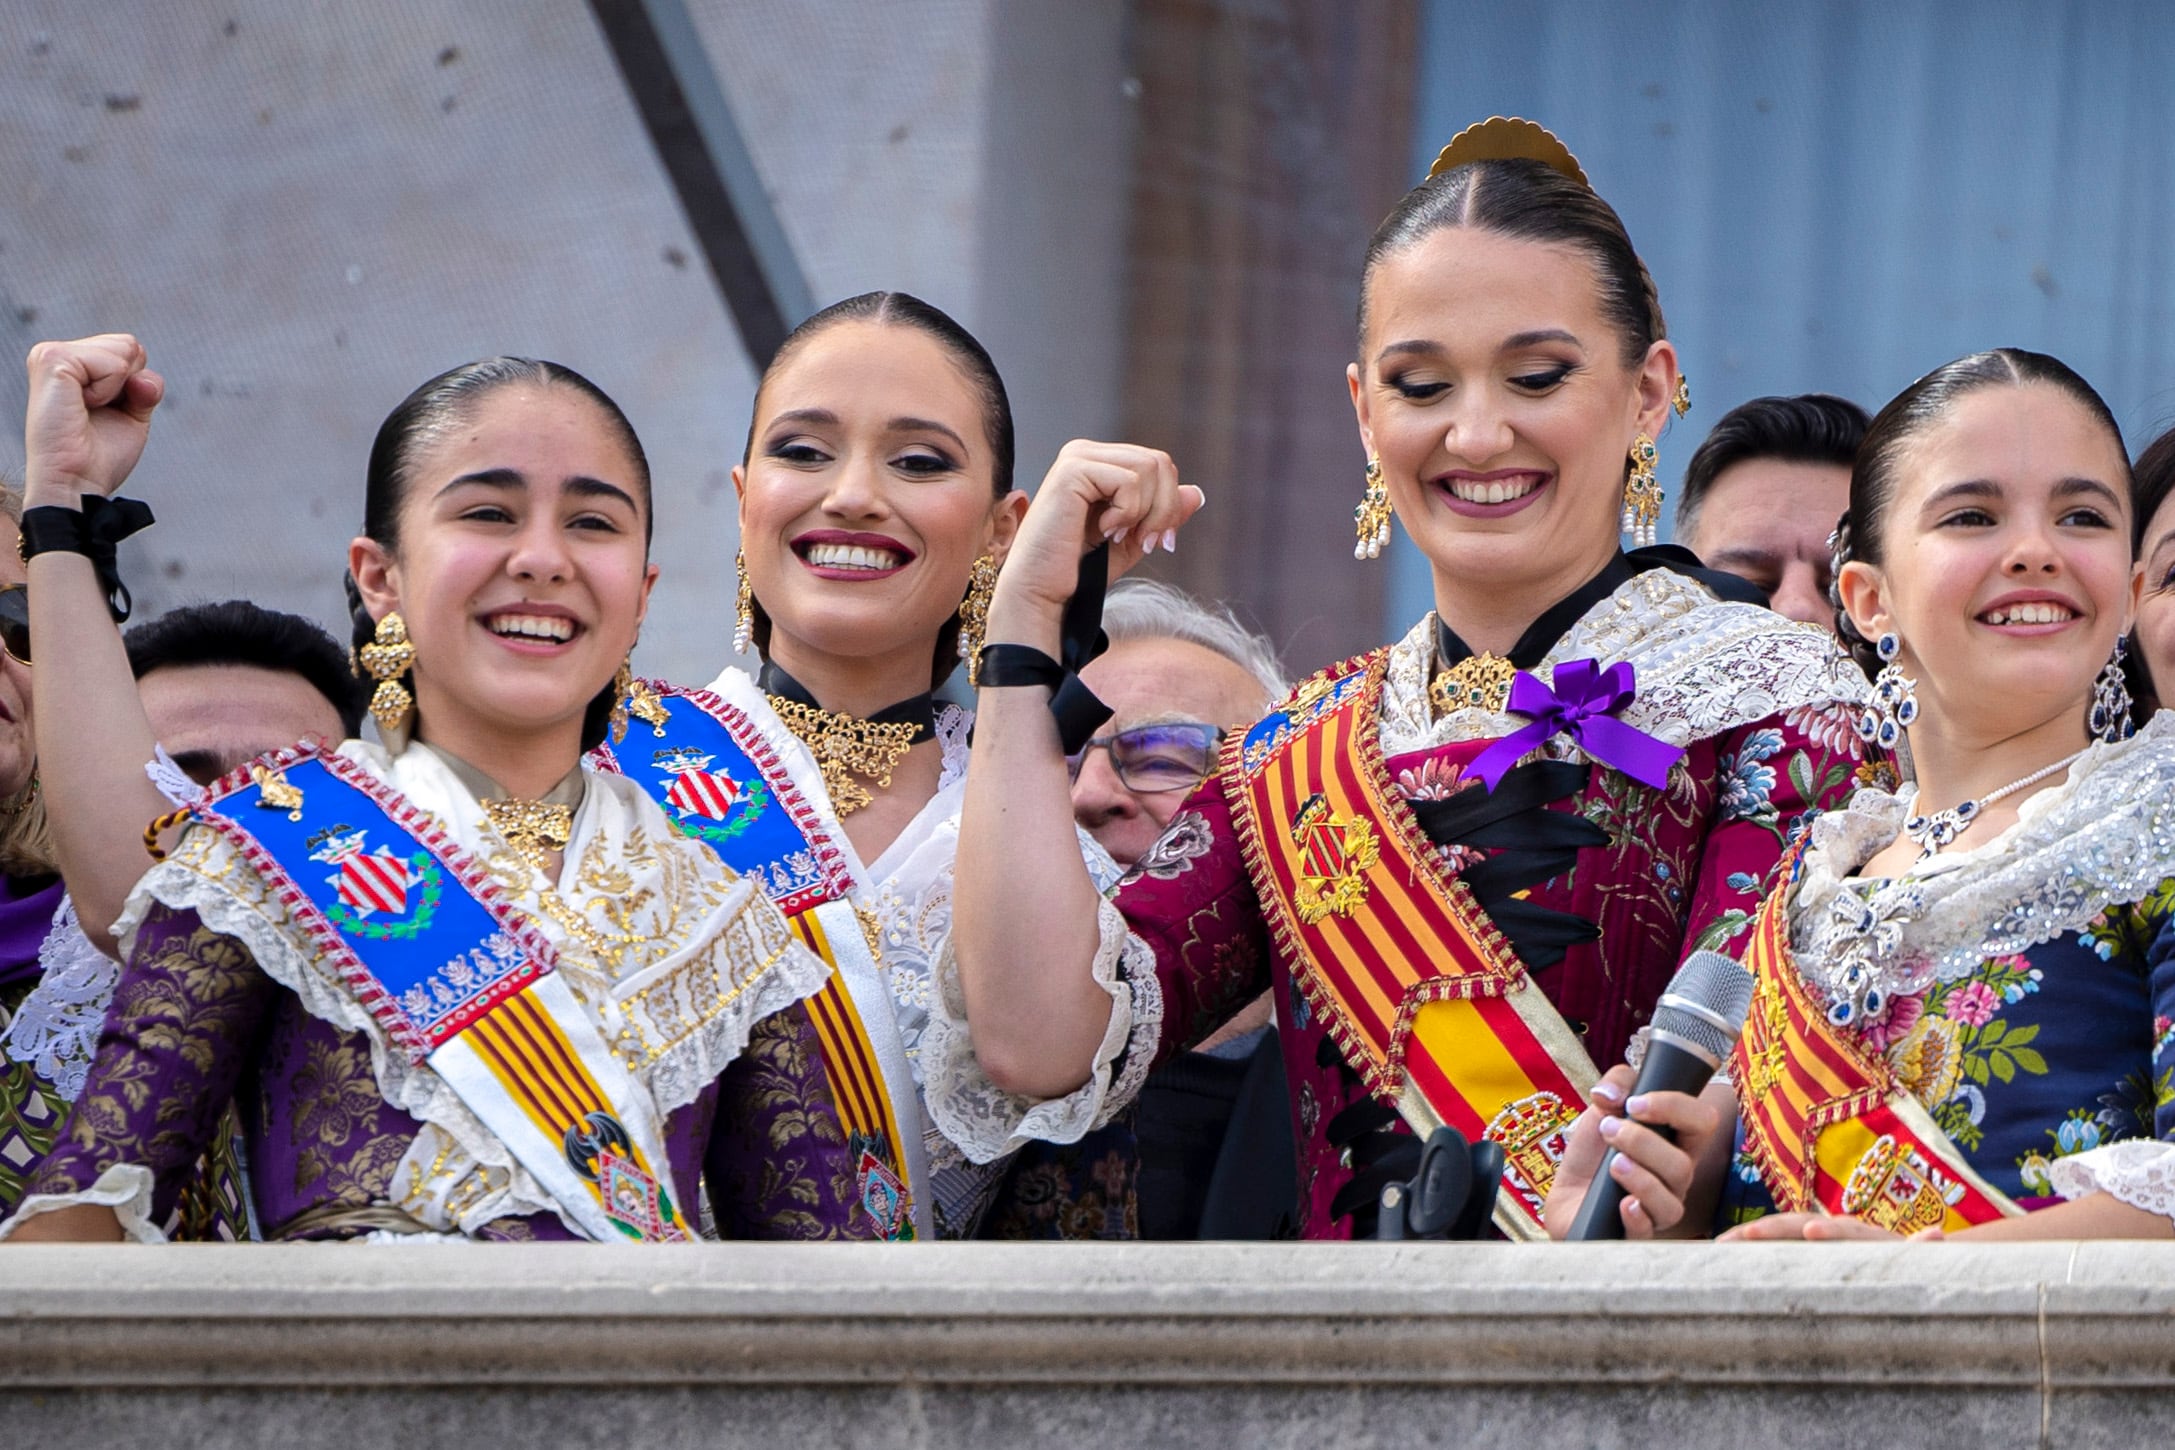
{"x": 845, "y": 747}
{"x": 533, "y": 828}
{"x": 274, "y": 793}
{"x": 1477, "y": 682}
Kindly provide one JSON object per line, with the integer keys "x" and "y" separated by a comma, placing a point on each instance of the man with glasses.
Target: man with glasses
{"x": 1209, "y": 1137}
{"x": 1177, "y": 676}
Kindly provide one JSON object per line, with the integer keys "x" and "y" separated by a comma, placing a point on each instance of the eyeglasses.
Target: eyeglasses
{"x": 1152, "y": 759}
{"x": 15, "y": 622}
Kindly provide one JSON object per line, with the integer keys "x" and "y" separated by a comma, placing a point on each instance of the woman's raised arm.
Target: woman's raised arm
{"x": 89, "y": 416}
{"x": 1024, "y": 925}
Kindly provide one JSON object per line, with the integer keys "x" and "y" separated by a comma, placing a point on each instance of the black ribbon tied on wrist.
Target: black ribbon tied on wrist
{"x": 1078, "y": 712}
{"x": 95, "y": 530}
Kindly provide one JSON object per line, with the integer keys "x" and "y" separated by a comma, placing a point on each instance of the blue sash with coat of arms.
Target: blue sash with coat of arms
{"x": 721, "y": 782}
{"x": 457, "y": 980}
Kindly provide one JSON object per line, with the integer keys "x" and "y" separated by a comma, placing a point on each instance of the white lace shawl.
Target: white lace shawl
{"x": 706, "y": 957}
{"x": 909, "y": 890}
{"x": 56, "y": 1027}
{"x": 1704, "y": 666}
{"x": 2104, "y": 835}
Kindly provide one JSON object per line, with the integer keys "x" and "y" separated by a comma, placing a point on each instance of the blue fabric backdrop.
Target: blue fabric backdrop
{"x": 1838, "y": 196}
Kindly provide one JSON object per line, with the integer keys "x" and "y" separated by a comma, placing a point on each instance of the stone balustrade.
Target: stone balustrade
{"x": 976, "y": 1346}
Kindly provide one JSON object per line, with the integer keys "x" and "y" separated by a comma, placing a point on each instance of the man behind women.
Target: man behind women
{"x": 224, "y": 683}
{"x": 1212, "y": 1135}
{"x": 1763, "y": 492}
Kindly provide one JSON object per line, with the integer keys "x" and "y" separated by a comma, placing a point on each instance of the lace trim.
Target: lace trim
{"x": 2104, "y": 836}
{"x": 125, "y": 1188}
{"x": 984, "y": 1121}
{"x": 172, "y": 781}
{"x": 1704, "y": 666}
{"x": 953, "y": 727}
{"x": 56, "y": 1027}
{"x": 2138, "y": 1171}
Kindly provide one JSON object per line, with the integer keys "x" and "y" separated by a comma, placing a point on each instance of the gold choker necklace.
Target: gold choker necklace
{"x": 534, "y": 829}
{"x": 846, "y": 746}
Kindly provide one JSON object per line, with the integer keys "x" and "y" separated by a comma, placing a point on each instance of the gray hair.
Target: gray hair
{"x": 1148, "y": 609}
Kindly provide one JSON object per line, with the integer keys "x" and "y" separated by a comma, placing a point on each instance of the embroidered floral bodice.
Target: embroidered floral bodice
{"x": 2025, "y": 986}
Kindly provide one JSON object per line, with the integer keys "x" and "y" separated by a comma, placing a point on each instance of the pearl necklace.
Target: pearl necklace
{"x": 1941, "y": 828}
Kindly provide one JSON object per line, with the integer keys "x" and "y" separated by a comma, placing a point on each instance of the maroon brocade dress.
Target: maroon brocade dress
{"x": 1601, "y": 885}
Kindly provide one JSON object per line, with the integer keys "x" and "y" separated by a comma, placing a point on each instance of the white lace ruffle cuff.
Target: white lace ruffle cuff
{"x": 125, "y": 1188}
{"x": 984, "y": 1121}
{"x": 2137, "y": 1171}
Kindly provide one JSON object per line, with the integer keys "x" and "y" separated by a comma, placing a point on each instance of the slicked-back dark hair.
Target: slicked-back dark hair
{"x": 1807, "y": 428}
{"x": 1862, "y": 534}
{"x": 1534, "y": 201}
{"x": 237, "y": 632}
{"x": 903, "y": 309}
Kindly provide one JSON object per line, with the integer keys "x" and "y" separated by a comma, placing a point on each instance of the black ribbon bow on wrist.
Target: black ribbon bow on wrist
{"x": 95, "y": 531}
{"x": 1078, "y": 712}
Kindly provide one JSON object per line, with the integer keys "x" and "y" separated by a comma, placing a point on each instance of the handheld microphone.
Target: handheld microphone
{"x": 1696, "y": 1023}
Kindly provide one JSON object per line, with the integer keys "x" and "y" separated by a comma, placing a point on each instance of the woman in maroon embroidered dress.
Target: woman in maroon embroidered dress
{"x": 1513, "y": 371}
{"x": 507, "y": 520}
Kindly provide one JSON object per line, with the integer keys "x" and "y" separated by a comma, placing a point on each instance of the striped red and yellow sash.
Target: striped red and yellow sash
{"x": 1418, "y": 988}
{"x": 1825, "y": 1120}
{"x": 857, "y": 1083}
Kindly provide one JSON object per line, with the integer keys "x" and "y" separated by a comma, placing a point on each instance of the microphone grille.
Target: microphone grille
{"x": 1705, "y": 1003}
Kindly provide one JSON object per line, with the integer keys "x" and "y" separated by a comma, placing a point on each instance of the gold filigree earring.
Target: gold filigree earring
{"x": 974, "y": 615}
{"x": 386, "y": 659}
{"x": 1372, "y": 517}
{"x": 632, "y": 695}
{"x": 744, "y": 615}
{"x": 1642, "y": 493}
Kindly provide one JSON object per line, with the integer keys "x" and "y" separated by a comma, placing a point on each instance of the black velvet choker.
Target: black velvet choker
{"x": 919, "y": 711}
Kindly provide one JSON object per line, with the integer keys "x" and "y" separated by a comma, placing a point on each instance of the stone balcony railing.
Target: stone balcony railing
{"x": 977, "y": 1346}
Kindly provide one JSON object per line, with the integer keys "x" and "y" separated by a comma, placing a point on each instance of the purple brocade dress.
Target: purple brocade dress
{"x": 196, "y": 1023}
{"x": 30, "y": 1108}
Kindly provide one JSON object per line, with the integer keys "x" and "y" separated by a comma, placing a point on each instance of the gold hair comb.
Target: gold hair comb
{"x": 1509, "y": 138}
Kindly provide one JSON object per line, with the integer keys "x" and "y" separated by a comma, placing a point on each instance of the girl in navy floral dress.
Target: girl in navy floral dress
{"x": 1964, "y": 990}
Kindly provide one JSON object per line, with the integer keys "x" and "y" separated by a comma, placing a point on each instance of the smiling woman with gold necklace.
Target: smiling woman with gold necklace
{"x": 456, "y": 983}
{"x": 876, "y": 507}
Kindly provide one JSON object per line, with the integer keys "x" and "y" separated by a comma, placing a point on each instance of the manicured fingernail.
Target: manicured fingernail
{"x": 1610, "y": 1127}
{"x": 1637, "y": 1105}
{"x": 1115, "y": 536}
{"x": 1170, "y": 541}
{"x": 1619, "y": 1167}
{"x": 1608, "y": 1092}
{"x": 1633, "y": 1205}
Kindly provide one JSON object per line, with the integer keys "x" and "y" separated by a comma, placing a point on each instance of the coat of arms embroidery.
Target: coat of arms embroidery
{"x": 1335, "y": 853}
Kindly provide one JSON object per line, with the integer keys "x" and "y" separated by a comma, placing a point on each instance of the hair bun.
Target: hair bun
{"x": 1509, "y": 138}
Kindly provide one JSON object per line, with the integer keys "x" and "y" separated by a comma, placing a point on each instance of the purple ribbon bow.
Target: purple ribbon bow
{"x": 1580, "y": 706}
